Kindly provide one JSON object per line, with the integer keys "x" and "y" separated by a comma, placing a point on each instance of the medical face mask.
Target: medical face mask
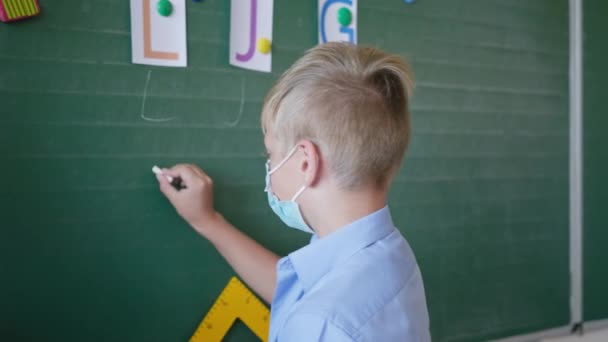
{"x": 288, "y": 211}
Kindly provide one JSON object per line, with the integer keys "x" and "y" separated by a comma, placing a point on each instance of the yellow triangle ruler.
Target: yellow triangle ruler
{"x": 235, "y": 302}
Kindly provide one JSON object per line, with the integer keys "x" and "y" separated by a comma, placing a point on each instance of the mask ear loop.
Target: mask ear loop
{"x": 293, "y": 150}
{"x": 298, "y": 193}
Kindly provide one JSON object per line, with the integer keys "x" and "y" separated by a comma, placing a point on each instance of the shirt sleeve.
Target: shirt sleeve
{"x": 305, "y": 327}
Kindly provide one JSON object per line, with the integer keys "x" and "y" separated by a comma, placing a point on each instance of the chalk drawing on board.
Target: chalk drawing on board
{"x": 239, "y": 116}
{"x": 229, "y": 123}
{"x": 143, "y": 103}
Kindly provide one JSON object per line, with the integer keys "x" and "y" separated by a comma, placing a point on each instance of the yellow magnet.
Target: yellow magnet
{"x": 264, "y": 46}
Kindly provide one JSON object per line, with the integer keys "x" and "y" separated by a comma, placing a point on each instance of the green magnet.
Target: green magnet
{"x": 345, "y": 17}
{"x": 164, "y": 7}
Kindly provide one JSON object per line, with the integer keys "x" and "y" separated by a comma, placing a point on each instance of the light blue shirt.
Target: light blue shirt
{"x": 360, "y": 283}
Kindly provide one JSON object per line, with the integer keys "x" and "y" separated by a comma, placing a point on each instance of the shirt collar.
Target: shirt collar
{"x": 316, "y": 259}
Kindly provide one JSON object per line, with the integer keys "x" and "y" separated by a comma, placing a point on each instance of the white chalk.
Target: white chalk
{"x": 158, "y": 171}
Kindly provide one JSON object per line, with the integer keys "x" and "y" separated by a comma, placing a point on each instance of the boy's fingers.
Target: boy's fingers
{"x": 190, "y": 174}
{"x": 165, "y": 187}
{"x": 200, "y": 173}
{"x": 196, "y": 170}
{"x": 182, "y": 171}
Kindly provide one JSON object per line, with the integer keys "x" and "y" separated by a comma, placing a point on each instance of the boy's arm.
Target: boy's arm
{"x": 252, "y": 262}
{"x": 255, "y": 264}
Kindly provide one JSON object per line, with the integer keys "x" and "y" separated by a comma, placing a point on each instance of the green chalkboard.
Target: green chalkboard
{"x": 90, "y": 250}
{"x": 595, "y": 167}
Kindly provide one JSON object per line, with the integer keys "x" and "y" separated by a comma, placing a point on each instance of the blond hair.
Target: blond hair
{"x": 353, "y": 103}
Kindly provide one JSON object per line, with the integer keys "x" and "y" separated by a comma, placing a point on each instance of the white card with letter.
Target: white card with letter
{"x": 251, "y": 34}
{"x": 337, "y": 21}
{"x": 157, "y": 39}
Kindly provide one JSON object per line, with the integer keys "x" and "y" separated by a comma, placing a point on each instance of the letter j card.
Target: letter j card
{"x": 251, "y": 34}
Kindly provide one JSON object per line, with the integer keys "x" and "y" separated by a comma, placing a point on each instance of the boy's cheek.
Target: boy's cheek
{"x": 282, "y": 187}
{"x": 277, "y": 188}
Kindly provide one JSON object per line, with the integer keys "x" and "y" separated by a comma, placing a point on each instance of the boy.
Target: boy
{"x": 336, "y": 127}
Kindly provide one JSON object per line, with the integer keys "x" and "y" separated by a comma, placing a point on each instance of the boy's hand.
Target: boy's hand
{"x": 254, "y": 263}
{"x": 194, "y": 202}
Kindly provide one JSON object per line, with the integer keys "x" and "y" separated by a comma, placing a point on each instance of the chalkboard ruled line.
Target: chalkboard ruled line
{"x": 450, "y": 19}
{"x": 436, "y": 179}
{"x": 508, "y": 69}
{"x": 465, "y": 205}
{"x": 526, "y": 324}
{"x": 473, "y": 200}
{"x": 445, "y": 180}
{"x": 531, "y": 241}
{"x": 140, "y": 218}
{"x": 471, "y": 219}
{"x": 500, "y": 132}
{"x": 481, "y": 45}
{"x": 200, "y": 15}
{"x": 446, "y": 110}
{"x": 412, "y": 155}
{"x": 489, "y": 89}
{"x": 501, "y": 47}
{"x": 522, "y": 6}
{"x": 131, "y": 156}
{"x": 8, "y": 57}
{"x": 487, "y": 158}
{"x": 510, "y": 132}
{"x": 217, "y": 72}
{"x": 207, "y": 72}
{"x": 228, "y": 70}
{"x": 86, "y": 30}
{"x": 120, "y": 62}
{"x": 150, "y": 185}
{"x": 164, "y": 125}
{"x": 201, "y": 98}
{"x": 468, "y": 105}
{"x": 418, "y": 109}
{"x": 489, "y": 183}
{"x": 452, "y": 180}
{"x": 532, "y": 7}
{"x": 467, "y": 155}
{"x": 420, "y": 86}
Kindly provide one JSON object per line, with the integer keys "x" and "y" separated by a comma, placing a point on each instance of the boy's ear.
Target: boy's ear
{"x": 311, "y": 163}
